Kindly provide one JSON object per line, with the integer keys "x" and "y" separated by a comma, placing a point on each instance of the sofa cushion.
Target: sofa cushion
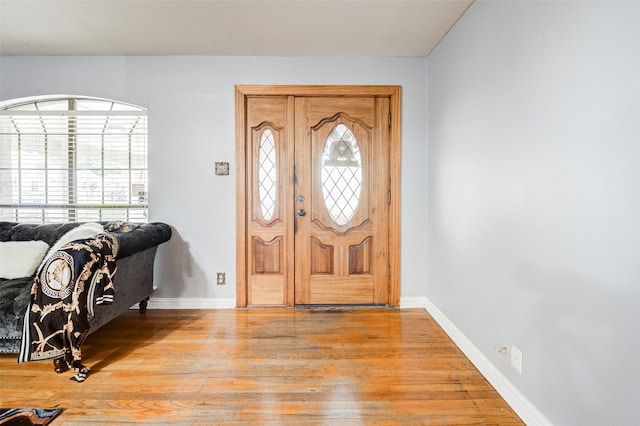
{"x": 19, "y": 259}
{"x": 50, "y": 233}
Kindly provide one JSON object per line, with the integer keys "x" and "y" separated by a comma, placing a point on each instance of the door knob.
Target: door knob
{"x": 301, "y": 212}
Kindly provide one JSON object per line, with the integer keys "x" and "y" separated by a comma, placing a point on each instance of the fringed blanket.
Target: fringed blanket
{"x": 63, "y": 295}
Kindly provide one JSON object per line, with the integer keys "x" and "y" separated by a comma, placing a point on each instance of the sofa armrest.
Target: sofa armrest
{"x": 141, "y": 238}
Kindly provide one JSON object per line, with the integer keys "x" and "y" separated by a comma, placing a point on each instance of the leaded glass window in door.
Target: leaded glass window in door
{"x": 267, "y": 175}
{"x": 341, "y": 174}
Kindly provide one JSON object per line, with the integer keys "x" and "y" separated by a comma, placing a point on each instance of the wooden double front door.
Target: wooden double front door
{"x": 317, "y": 221}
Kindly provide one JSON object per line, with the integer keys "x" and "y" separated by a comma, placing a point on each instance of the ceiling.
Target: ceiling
{"x": 221, "y": 27}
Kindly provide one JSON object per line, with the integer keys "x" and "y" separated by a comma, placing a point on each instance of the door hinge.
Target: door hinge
{"x": 389, "y": 119}
{"x": 389, "y": 197}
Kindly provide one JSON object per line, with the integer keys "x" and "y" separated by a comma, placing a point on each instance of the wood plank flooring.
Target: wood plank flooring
{"x": 347, "y": 366}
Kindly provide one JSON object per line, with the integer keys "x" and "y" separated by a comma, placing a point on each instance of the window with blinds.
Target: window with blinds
{"x": 73, "y": 159}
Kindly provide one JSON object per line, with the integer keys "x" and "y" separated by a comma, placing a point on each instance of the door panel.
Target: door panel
{"x": 342, "y": 182}
{"x": 269, "y": 237}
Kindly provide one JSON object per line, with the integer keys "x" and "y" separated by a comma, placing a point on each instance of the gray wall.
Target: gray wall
{"x": 190, "y": 102}
{"x": 534, "y": 198}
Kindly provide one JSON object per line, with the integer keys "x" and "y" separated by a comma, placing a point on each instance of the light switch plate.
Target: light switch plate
{"x": 222, "y": 168}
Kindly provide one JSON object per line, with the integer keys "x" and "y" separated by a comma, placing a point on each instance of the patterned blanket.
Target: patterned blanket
{"x": 63, "y": 295}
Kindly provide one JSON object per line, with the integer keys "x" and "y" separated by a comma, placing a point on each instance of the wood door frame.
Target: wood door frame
{"x": 242, "y": 92}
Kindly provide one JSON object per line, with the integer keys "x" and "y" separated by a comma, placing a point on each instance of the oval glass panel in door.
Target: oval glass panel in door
{"x": 267, "y": 175}
{"x": 341, "y": 174}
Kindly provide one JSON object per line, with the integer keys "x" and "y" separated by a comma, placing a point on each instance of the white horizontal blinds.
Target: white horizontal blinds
{"x": 73, "y": 159}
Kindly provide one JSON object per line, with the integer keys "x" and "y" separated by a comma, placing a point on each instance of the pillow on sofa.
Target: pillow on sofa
{"x": 86, "y": 230}
{"x": 19, "y": 259}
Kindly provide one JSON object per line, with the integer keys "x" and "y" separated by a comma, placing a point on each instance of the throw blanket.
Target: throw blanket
{"x": 62, "y": 301}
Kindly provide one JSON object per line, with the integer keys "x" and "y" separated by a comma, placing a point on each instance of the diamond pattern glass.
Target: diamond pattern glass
{"x": 267, "y": 174}
{"x": 341, "y": 174}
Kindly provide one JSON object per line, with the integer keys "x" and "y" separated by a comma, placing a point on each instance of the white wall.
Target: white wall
{"x": 534, "y": 198}
{"x": 192, "y": 125}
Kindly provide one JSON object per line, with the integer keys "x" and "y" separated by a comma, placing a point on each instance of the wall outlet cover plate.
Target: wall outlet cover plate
{"x": 516, "y": 359}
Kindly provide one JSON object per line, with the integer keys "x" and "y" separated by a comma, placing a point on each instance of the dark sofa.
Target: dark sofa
{"x": 133, "y": 280}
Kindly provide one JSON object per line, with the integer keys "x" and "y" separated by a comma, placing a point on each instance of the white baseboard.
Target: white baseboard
{"x": 413, "y": 302}
{"x": 191, "y": 303}
{"x": 521, "y": 405}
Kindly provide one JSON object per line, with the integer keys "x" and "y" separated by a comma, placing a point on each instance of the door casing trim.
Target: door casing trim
{"x": 242, "y": 92}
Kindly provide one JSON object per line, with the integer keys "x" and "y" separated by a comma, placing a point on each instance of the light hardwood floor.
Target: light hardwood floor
{"x": 287, "y": 366}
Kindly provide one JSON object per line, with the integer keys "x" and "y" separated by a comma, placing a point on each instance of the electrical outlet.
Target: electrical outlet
{"x": 516, "y": 359}
{"x": 221, "y": 278}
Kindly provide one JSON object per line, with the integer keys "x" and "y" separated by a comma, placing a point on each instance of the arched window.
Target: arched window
{"x": 72, "y": 159}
